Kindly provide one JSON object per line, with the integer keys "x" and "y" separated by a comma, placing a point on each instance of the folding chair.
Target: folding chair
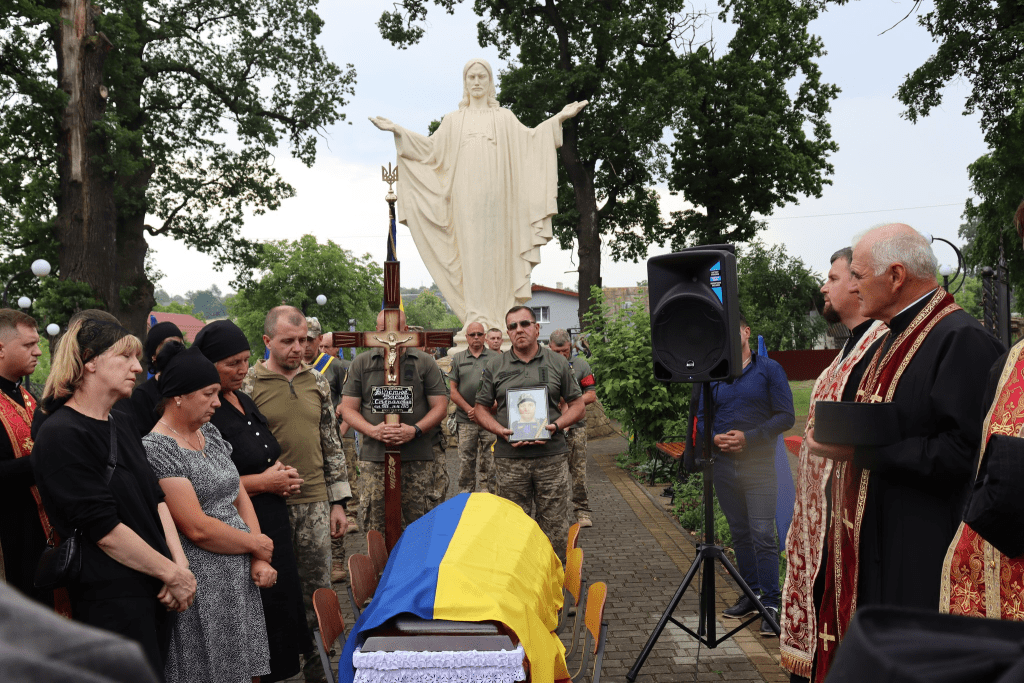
{"x": 574, "y": 539}
{"x": 377, "y": 551}
{"x": 362, "y": 581}
{"x": 331, "y": 623}
{"x": 597, "y": 630}
{"x": 572, "y": 591}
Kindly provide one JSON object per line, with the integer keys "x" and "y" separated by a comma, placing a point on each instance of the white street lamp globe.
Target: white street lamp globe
{"x": 24, "y": 302}
{"x": 945, "y": 270}
{"x": 40, "y": 267}
{"x": 52, "y": 329}
{"x": 321, "y": 299}
{"x": 928, "y": 236}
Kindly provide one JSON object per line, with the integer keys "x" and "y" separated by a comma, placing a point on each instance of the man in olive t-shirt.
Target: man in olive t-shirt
{"x": 476, "y": 472}
{"x": 296, "y": 401}
{"x": 531, "y": 473}
{"x": 418, "y": 433}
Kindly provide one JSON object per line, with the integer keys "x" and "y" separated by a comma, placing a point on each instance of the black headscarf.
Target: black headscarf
{"x": 183, "y": 371}
{"x": 96, "y": 336}
{"x": 221, "y": 339}
{"x": 157, "y": 334}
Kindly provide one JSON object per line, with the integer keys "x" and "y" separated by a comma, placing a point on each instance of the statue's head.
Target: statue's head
{"x": 475, "y": 65}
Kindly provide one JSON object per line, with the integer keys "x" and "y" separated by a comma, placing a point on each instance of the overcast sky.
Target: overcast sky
{"x": 886, "y": 169}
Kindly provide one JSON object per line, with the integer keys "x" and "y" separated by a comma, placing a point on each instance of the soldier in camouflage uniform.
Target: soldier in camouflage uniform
{"x": 418, "y": 433}
{"x": 476, "y": 472}
{"x": 531, "y": 473}
{"x": 325, "y": 361}
{"x": 576, "y": 435}
{"x": 296, "y": 401}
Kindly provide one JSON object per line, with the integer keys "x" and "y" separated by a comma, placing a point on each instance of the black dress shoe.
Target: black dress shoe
{"x": 743, "y": 607}
{"x": 766, "y": 629}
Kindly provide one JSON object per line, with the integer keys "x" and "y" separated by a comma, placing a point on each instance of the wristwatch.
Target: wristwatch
{"x": 419, "y": 432}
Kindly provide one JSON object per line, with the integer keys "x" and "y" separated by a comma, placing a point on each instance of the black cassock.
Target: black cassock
{"x": 919, "y": 485}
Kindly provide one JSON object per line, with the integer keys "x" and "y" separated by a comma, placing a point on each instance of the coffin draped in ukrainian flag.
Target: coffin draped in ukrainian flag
{"x": 477, "y": 557}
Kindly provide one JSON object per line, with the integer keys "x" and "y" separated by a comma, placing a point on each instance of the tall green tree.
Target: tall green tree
{"x": 750, "y": 132}
{"x": 777, "y": 294}
{"x": 295, "y": 273}
{"x": 982, "y": 44}
{"x": 120, "y": 116}
{"x": 617, "y": 55}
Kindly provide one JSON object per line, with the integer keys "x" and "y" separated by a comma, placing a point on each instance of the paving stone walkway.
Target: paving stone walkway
{"x": 642, "y": 554}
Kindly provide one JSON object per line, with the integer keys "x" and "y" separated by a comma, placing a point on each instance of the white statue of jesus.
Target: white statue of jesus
{"x": 478, "y": 196}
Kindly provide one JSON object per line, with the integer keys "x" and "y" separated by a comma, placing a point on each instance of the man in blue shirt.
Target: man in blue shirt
{"x": 749, "y": 414}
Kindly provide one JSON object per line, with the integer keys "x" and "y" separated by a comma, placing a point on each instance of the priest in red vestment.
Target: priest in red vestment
{"x": 895, "y": 508}
{"x": 21, "y": 531}
{"x": 977, "y": 579}
{"x": 806, "y": 550}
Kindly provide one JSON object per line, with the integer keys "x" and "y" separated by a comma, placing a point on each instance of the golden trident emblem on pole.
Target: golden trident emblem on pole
{"x": 389, "y": 176}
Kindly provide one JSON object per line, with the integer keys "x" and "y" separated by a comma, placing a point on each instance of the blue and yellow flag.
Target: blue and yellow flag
{"x": 477, "y": 557}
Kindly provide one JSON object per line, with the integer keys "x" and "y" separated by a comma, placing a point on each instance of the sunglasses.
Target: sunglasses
{"x": 475, "y": 334}
{"x": 521, "y": 323}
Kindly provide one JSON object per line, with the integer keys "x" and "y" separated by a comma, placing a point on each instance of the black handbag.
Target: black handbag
{"x": 62, "y": 564}
{"x": 996, "y": 508}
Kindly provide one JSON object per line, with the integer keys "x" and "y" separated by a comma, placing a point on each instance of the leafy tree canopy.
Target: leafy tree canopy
{"x": 981, "y": 43}
{"x": 746, "y": 140}
{"x": 777, "y": 292}
{"x": 430, "y": 313}
{"x": 199, "y": 93}
{"x": 295, "y": 273}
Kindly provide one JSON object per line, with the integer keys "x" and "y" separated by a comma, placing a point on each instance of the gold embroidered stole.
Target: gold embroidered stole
{"x": 17, "y": 422}
{"x": 977, "y": 579}
{"x": 807, "y": 531}
{"x": 850, "y": 484}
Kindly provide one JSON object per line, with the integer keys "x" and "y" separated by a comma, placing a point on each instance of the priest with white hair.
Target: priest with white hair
{"x": 896, "y": 507}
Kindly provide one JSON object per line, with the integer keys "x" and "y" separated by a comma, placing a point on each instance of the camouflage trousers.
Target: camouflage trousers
{"x": 577, "y": 440}
{"x": 539, "y": 484}
{"x": 311, "y": 538}
{"x": 441, "y": 478}
{"x": 420, "y": 492}
{"x": 476, "y": 469}
{"x": 348, "y": 444}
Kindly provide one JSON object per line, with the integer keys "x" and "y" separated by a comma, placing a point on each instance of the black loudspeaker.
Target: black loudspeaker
{"x": 695, "y": 331}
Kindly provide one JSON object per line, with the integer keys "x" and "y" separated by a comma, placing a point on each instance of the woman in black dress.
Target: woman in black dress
{"x": 268, "y": 482}
{"x": 134, "y": 573}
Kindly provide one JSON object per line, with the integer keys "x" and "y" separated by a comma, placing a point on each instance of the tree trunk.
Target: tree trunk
{"x": 588, "y": 233}
{"x": 86, "y": 213}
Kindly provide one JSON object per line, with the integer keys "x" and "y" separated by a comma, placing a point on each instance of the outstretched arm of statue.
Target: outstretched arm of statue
{"x": 384, "y": 124}
{"x": 569, "y": 111}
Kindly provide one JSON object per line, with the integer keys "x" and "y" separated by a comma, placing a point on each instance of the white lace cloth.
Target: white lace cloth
{"x": 503, "y": 666}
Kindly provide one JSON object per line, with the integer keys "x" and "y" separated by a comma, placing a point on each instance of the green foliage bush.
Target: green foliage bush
{"x": 688, "y": 507}
{"x": 649, "y": 411}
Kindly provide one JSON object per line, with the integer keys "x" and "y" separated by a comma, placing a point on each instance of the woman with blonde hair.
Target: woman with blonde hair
{"x": 96, "y": 482}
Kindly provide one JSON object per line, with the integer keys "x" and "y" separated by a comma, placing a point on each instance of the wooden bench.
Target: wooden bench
{"x": 670, "y": 449}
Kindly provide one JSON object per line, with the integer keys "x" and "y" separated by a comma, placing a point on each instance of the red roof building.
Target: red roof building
{"x": 188, "y": 324}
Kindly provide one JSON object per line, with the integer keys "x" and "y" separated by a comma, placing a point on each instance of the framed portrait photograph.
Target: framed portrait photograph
{"x": 528, "y": 414}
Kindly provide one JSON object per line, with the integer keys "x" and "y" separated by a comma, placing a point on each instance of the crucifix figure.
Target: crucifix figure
{"x": 395, "y": 397}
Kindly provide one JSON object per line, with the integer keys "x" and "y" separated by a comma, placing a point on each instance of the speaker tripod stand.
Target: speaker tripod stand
{"x": 707, "y": 554}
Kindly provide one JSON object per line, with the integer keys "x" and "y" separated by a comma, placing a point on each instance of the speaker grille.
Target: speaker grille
{"x": 688, "y": 333}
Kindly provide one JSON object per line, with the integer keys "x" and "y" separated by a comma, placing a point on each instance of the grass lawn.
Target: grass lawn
{"x": 801, "y": 402}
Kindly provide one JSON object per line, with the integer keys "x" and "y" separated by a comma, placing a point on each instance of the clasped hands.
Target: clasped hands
{"x": 282, "y": 479}
{"x": 733, "y": 441}
{"x": 179, "y": 589}
{"x": 519, "y": 444}
{"x": 393, "y": 435}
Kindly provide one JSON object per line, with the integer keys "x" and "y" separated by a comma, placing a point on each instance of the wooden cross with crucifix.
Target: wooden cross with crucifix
{"x": 394, "y": 339}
